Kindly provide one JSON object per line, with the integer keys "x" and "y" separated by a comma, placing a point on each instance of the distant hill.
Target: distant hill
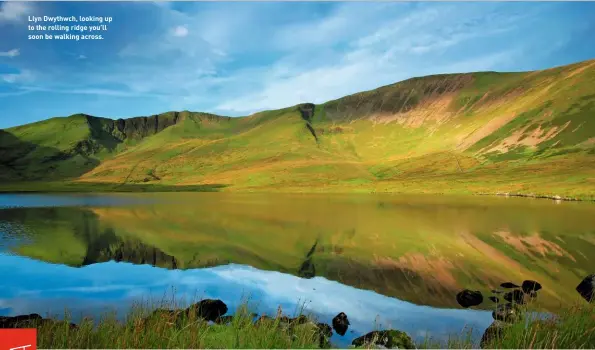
{"x": 529, "y": 132}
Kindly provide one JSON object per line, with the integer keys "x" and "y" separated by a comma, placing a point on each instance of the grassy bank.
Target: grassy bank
{"x": 573, "y": 327}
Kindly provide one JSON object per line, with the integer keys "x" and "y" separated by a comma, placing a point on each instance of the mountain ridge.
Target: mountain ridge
{"x": 440, "y": 125}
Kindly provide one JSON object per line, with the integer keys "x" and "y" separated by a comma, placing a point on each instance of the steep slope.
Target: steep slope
{"x": 472, "y": 132}
{"x": 67, "y": 147}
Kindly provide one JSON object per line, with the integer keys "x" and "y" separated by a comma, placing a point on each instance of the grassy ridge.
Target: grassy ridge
{"x": 463, "y": 133}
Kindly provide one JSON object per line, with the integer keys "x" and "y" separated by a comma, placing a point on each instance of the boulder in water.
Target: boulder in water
{"x": 208, "y": 309}
{"x": 341, "y": 323}
{"x": 530, "y": 286}
{"x": 509, "y": 285}
{"x": 389, "y": 338}
{"x": 467, "y": 298}
{"x": 516, "y": 296}
{"x": 587, "y": 288}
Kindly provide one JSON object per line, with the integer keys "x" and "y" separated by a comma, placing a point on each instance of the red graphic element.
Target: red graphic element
{"x": 18, "y": 339}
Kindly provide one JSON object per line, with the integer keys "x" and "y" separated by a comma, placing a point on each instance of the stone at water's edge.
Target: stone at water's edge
{"x": 516, "y": 296}
{"x": 530, "y": 286}
{"x": 388, "y": 338}
{"x": 467, "y": 298}
{"x": 341, "y": 323}
{"x": 208, "y": 309}
{"x": 506, "y": 312}
{"x": 587, "y": 288}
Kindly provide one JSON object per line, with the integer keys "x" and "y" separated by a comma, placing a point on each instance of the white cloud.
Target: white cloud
{"x": 392, "y": 52}
{"x": 23, "y": 76}
{"x": 14, "y": 10}
{"x": 180, "y": 31}
{"x": 10, "y": 53}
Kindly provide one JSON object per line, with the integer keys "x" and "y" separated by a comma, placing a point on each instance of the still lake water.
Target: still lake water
{"x": 386, "y": 261}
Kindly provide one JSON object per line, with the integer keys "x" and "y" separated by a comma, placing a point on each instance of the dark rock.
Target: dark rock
{"x": 496, "y": 291}
{"x": 467, "y": 298}
{"x": 301, "y": 319}
{"x": 341, "y": 323}
{"x": 494, "y": 299}
{"x": 506, "y": 312}
{"x": 18, "y": 321}
{"x": 30, "y": 321}
{"x": 509, "y": 285}
{"x": 516, "y": 296}
{"x": 494, "y": 331}
{"x": 530, "y": 286}
{"x": 208, "y": 309}
{"x": 389, "y": 338}
{"x": 587, "y": 288}
{"x": 224, "y": 319}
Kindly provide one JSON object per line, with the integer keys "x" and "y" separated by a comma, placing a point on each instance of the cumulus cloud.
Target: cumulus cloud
{"x": 14, "y": 10}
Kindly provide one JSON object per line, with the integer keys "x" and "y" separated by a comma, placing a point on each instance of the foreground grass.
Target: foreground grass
{"x": 573, "y": 327}
{"x": 165, "y": 331}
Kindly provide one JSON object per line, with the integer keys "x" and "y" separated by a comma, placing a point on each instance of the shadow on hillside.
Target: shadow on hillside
{"x": 25, "y": 161}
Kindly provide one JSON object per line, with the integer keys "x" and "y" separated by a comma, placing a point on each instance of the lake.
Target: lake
{"x": 385, "y": 260}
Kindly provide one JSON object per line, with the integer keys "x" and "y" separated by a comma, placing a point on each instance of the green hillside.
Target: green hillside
{"x": 530, "y": 132}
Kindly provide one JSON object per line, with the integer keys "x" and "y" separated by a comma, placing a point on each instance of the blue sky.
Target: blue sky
{"x": 236, "y": 58}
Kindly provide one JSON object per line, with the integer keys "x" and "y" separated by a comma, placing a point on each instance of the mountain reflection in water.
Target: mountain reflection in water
{"x": 379, "y": 252}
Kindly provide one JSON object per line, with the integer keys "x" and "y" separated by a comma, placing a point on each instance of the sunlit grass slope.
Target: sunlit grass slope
{"x": 530, "y": 132}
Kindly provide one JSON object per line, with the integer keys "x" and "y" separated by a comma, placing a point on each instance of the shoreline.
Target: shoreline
{"x": 143, "y": 188}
